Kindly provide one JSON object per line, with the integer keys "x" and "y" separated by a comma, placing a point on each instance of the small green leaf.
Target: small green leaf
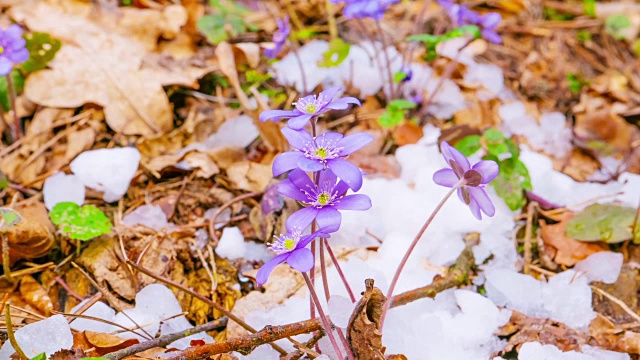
{"x": 401, "y": 104}
{"x": 42, "y": 356}
{"x": 42, "y": 49}
{"x": 602, "y": 222}
{"x": 305, "y": 34}
{"x": 495, "y": 142}
{"x": 399, "y": 76}
{"x": 391, "y": 118}
{"x": 576, "y": 83}
{"x": 81, "y": 223}
{"x": 583, "y": 35}
{"x": 338, "y": 51}
{"x": 509, "y": 186}
{"x": 589, "y": 7}
{"x": 9, "y": 218}
{"x": 615, "y": 23}
{"x": 469, "y": 145}
{"x": 18, "y": 84}
{"x": 4, "y": 182}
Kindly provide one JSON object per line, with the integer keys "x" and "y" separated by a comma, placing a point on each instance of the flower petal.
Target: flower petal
{"x": 451, "y": 153}
{"x": 341, "y": 188}
{"x": 491, "y": 36}
{"x": 445, "y": 177}
{"x": 326, "y": 96}
{"x": 479, "y": 195}
{"x": 275, "y": 115}
{"x": 490, "y": 20}
{"x": 343, "y": 103}
{"x": 353, "y": 143}
{"x": 488, "y": 169}
{"x": 310, "y": 165}
{"x": 475, "y": 209}
{"x": 299, "y": 139}
{"x": 329, "y": 219}
{"x": 286, "y": 188}
{"x": 285, "y": 162}
{"x": 267, "y": 268}
{"x": 299, "y": 122}
{"x": 14, "y": 31}
{"x": 302, "y": 218}
{"x": 354, "y": 202}
{"x": 329, "y": 138}
{"x": 347, "y": 172}
{"x": 5, "y": 66}
{"x": 305, "y": 240}
{"x": 327, "y": 178}
{"x": 301, "y": 180}
{"x": 301, "y": 259}
{"x": 20, "y": 56}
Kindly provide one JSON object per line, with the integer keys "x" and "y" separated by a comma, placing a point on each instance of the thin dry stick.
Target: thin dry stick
{"x": 226, "y": 312}
{"x": 618, "y": 302}
{"x": 246, "y": 344}
{"x": 165, "y": 340}
{"x": 527, "y": 236}
{"x": 108, "y": 296}
{"x": 68, "y": 289}
{"x": 88, "y": 317}
{"x": 11, "y": 335}
{"x": 214, "y": 217}
{"x": 6, "y": 261}
{"x": 392, "y": 89}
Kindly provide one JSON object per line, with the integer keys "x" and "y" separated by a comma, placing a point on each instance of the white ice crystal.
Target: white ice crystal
{"x": 61, "y": 187}
{"x": 150, "y": 216}
{"x": 107, "y": 170}
{"x": 603, "y": 266}
{"x": 232, "y": 246}
{"x": 537, "y": 351}
{"x": 45, "y": 336}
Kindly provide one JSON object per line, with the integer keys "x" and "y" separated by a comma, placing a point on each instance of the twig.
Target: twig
{"x": 618, "y": 302}
{"x": 11, "y": 335}
{"x": 296, "y": 355}
{"x": 165, "y": 340}
{"x": 68, "y": 289}
{"x": 12, "y": 97}
{"x": 6, "y": 261}
{"x": 218, "y": 307}
{"x": 214, "y": 217}
{"x": 527, "y": 236}
{"x": 246, "y": 344}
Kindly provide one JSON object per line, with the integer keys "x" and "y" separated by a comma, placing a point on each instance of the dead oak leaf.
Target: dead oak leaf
{"x": 569, "y": 251}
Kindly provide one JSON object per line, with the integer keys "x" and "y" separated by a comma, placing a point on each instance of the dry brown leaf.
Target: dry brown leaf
{"x": 407, "y": 133}
{"x": 106, "y": 343}
{"x": 250, "y": 176}
{"x": 96, "y": 66}
{"x": 32, "y": 237}
{"x": 64, "y": 354}
{"x": 363, "y": 331}
{"x": 224, "y": 53}
{"x": 35, "y": 295}
{"x": 569, "y": 251}
{"x": 79, "y": 141}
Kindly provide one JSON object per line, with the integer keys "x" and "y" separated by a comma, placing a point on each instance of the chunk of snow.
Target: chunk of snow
{"x": 340, "y": 310}
{"x": 603, "y": 266}
{"x": 565, "y": 298}
{"x": 61, "y": 187}
{"x": 45, "y": 336}
{"x": 98, "y": 310}
{"x": 232, "y": 246}
{"x": 537, "y": 351}
{"x": 447, "y": 101}
{"x": 107, "y": 170}
{"x": 178, "y": 324}
{"x": 150, "y": 216}
{"x": 224, "y": 216}
{"x": 235, "y": 132}
{"x": 263, "y": 352}
{"x": 489, "y": 76}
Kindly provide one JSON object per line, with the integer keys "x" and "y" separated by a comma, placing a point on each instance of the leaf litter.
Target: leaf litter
{"x": 130, "y": 111}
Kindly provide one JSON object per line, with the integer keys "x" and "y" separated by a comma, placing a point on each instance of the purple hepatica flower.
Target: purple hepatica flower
{"x": 309, "y": 107}
{"x": 470, "y": 179}
{"x": 290, "y": 248}
{"x": 462, "y": 15}
{"x": 279, "y": 37}
{"x": 359, "y": 9}
{"x": 324, "y": 200}
{"x": 326, "y": 151}
{"x": 12, "y": 50}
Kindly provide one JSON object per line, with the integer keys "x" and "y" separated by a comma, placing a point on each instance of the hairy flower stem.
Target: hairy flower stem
{"x": 10, "y": 334}
{"x": 415, "y": 241}
{"x": 339, "y": 269}
{"x": 16, "y": 120}
{"x": 383, "y": 40}
{"x": 296, "y": 54}
{"x": 325, "y": 322}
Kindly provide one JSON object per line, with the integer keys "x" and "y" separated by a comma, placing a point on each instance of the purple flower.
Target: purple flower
{"x": 279, "y": 37}
{"x": 12, "y": 50}
{"x": 471, "y": 180}
{"x": 359, "y": 9}
{"x": 462, "y": 15}
{"x": 323, "y": 200}
{"x": 309, "y": 107}
{"x": 290, "y": 248}
{"x": 326, "y": 151}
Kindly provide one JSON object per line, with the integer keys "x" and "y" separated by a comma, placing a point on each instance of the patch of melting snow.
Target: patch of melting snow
{"x": 61, "y": 187}
{"x": 150, "y": 216}
{"x": 537, "y": 351}
{"x": 45, "y": 336}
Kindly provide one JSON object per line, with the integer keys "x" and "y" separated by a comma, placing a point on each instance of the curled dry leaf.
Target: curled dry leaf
{"x": 363, "y": 331}
{"x": 32, "y": 237}
{"x": 35, "y": 295}
{"x": 569, "y": 251}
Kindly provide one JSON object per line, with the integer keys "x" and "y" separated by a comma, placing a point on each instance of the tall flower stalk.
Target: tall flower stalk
{"x": 12, "y": 52}
{"x": 324, "y": 193}
{"x": 468, "y": 181}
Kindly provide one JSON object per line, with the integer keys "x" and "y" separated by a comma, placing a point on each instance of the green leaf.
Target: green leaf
{"x": 391, "y": 118}
{"x": 42, "y": 49}
{"x": 399, "y": 76}
{"x": 305, "y": 34}
{"x": 42, "y": 356}
{"x": 469, "y": 145}
{"x": 4, "y": 182}
{"x": 602, "y": 222}
{"x": 219, "y": 27}
{"x": 576, "y": 82}
{"x": 495, "y": 142}
{"x": 615, "y": 23}
{"x": 583, "y": 35}
{"x": 81, "y": 223}
{"x": 229, "y": 7}
{"x": 589, "y": 7}
{"x": 18, "y": 84}
{"x": 338, "y": 51}
{"x": 9, "y": 218}
{"x": 508, "y": 185}
{"x": 401, "y": 104}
